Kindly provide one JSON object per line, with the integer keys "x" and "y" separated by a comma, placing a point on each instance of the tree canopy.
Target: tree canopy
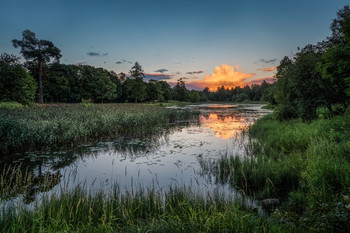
{"x": 37, "y": 52}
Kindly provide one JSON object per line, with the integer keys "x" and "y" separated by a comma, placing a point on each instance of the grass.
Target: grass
{"x": 10, "y": 105}
{"x": 177, "y": 210}
{"x": 51, "y": 126}
{"x": 305, "y": 164}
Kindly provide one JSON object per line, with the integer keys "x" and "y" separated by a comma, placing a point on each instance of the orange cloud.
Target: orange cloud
{"x": 268, "y": 69}
{"x": 224, "y": 75}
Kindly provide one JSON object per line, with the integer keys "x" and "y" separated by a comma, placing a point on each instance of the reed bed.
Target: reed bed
{"x": 178, "y": 209}
{"x": 51, "y": 126}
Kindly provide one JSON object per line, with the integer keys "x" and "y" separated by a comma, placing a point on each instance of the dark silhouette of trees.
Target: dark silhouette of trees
{"x": 136, "y": 87}
{"x": 15, "y": 82}
{"x": 180, "y": 90}
{"x": 37, "y": 52}
{"x": 318, "y": 76}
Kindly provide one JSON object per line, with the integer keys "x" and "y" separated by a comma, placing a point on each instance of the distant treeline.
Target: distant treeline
{"x": 74, "y": 83}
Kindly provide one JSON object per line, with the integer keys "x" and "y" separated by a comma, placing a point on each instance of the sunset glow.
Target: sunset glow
{"x": 224, "y": 126}
{"x": 268, "y": 69}
{"x": 224, "y": 75}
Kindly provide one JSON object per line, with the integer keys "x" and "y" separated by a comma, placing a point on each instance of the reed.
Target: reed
{"x": 179, "y": 209}
{"x": 46, "y": 127}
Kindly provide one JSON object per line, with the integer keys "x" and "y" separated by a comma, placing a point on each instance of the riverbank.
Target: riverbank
{"x": 304, "y": 164}
{"x": 177, "y": 210}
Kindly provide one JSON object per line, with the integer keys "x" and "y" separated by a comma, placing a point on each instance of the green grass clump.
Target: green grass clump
{"x": 45, "y": 127}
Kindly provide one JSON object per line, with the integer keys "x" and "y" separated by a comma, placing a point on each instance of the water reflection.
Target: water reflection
{"x": 172, "y": 156}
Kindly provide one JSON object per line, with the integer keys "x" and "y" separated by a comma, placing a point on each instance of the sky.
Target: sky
{"x": 207, "y": 43}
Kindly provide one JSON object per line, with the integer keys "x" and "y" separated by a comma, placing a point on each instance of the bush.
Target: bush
{"x": 323, "y": 113}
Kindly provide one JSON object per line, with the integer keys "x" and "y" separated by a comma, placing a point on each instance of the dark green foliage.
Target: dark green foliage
{"x": 15, "y": 83}
{"x": 300, "y": 89}
{"x": 71, "y": 83}
{"x": 167, "y": 91}
{"x": 194, "y": 96}
{"x": 154, "y": 91}
{"x": 181, "y": 93}
{"x": 37, "y": 52}
{"x": 335, "y": 68}
{"x": 136, "y": 88}
{"x": 316, "y": 77}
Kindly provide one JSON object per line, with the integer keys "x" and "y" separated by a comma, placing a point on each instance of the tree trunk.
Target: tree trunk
{"x": 41, "y": 96}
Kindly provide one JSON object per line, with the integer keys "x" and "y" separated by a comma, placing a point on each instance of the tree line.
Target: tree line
{"x": 43, "y": 77}
{"x": 315, "y": 82}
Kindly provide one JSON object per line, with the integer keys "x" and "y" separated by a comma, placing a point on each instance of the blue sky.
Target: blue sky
{"x": 196, "y": 40}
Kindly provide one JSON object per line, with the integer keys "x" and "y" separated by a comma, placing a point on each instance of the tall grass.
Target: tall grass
{"x": 177, "y": 210}
{"x": 306, "y": 164}
{"x": 51, "y": 126}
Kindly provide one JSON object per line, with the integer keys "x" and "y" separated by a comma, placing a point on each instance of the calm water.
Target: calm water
{"x": 170, "y": 158}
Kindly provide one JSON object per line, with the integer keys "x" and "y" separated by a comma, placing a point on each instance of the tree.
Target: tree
{"x": 137, "y": 71}
{"x": 136, "y": 87}
{"x": 56, "y": 83}
{"x": 15, "y": 82}
{"x": 166, "y": 90}
{"x": 341, "y": 26}
{"x": 180, "y": 90}
{"x": 300, "y": 89}
{"x": 335, "y": 64}
{"x": 194, "y": 96}
{"x": 153, "y": 91}
{"x": 38, "y": 52}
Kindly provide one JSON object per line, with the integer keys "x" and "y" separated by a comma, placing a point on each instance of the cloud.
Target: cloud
{"x": 268, "y": 61}
{"x": 224, "y": 75}
{"x": 157, "y": 77}
{"x": 123, "y": 61}
{"x": 268, "y": 69}
{"x": 94, "y": 54}
{"x": 161, "y": 71}
{"x": 195, "y": 72}
{"x": 260, "y": 80}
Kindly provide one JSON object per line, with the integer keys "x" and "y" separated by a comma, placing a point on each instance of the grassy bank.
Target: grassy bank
{"x": 144, "y": 211}
{"x": 304, "y": 164}
{"x": 50, "y": 126}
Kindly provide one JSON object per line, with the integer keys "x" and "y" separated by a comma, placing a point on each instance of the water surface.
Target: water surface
{"x": 171, "y": 157}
